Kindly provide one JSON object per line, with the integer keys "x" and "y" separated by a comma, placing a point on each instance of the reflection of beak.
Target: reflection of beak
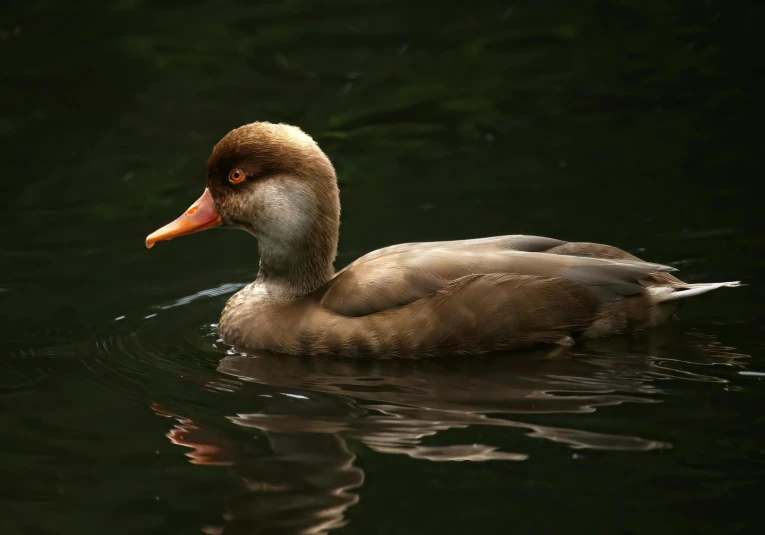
{"x": 200, "y": 215}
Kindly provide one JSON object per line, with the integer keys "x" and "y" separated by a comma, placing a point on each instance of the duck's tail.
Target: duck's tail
{"x": 660, "y": 294}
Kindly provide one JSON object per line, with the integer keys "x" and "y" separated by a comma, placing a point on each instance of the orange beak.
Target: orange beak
{"x": 200, "y": 215}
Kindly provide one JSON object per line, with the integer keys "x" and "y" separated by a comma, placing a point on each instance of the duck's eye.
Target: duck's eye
{"x": 236, "y": 176}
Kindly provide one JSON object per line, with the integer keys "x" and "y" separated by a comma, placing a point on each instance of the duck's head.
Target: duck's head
{"x": 271, "y": 180}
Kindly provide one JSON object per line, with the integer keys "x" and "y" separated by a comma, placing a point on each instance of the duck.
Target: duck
{"x": 410, "y": 300}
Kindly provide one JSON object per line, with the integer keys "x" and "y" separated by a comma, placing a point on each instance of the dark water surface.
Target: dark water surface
{"x": 632, "y": 123}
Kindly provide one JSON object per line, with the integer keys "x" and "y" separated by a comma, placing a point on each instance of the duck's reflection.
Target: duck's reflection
{"x": 291, "y": 483}
{"x": 299, "y": 476}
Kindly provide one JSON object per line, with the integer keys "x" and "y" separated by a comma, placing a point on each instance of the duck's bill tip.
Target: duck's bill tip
{"x": 199, "y": 216}
{"x": 151, "y": 240}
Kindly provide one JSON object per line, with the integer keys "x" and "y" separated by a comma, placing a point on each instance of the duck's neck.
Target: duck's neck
{"x": 293, "y": 268}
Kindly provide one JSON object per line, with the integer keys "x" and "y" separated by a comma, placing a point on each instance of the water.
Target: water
{"x": 631, "y": 123}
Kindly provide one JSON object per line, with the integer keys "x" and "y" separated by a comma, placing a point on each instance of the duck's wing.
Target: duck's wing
{"x": 600, "y": 250}
{"x": 512, "y": 242}
{"x": 394, "y": 278}
{"x": 525, "y": 243}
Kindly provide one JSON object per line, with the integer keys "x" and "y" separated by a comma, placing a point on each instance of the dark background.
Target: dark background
{"x": 635, "y": 123}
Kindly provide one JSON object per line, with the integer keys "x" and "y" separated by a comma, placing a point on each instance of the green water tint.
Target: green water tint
{"x": 630, "y": 123}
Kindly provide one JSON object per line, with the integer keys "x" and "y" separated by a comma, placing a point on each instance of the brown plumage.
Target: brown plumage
{"x": 412, "y": 300}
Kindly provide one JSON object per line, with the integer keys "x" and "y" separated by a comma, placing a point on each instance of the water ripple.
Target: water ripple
{"x": 308, "y": 414}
